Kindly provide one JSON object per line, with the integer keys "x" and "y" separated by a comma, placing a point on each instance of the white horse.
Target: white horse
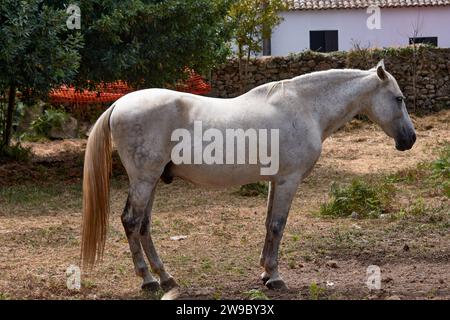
{"x": 306, "y": 110}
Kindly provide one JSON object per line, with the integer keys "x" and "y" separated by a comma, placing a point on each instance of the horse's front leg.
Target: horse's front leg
{"x": 278, "y": 210}
{"x": 264, "y": 275}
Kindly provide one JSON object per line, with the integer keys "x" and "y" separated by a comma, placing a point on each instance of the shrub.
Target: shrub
{"x": 50, "y": 119}
{"x": 254, "y": 189}
{"x": 316, "y": 292}
{"x": 15, "y": 152}
{"x": 367, "y": 200}
{"x": 255, "y": 294}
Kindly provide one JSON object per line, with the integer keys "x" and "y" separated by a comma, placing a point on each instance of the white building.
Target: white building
{"x": 330, "y": 25}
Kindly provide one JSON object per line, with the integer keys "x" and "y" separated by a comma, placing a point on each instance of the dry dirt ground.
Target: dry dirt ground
{"x": 40, "y": 219}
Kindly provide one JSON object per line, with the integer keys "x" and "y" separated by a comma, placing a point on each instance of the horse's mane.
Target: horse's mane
{"x": 330, "y": 76}
{"x": 274, "y": 86}
{"x": 334, "y": 74}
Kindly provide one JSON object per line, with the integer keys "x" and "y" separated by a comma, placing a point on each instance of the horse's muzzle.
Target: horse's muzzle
{"x": 405, "y": 141}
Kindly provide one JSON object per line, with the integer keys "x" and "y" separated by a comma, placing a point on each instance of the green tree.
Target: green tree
{"x": 149, "y": 43}
{"x": 253, "y": 21}
{"x": 37, "y": 53}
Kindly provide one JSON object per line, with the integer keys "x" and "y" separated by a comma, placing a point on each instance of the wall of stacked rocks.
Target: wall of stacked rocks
{"x": 423, "y": 73}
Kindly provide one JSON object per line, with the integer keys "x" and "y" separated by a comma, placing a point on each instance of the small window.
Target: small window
{"x": 323, "y": 41}
{"x": 428, "y": 40}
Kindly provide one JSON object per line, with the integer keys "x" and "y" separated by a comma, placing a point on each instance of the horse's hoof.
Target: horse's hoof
{"x": 151, "y": 287}
{"x": 265, "y": 277}
{"x": 276, "y": 284}
{"x": 169, "y": 284}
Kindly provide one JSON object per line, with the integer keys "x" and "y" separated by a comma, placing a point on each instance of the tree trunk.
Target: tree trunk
{"x": 241, "y": 77}
{"x": 267, "y": 47}
{"x": 9, "y": 115}
{"x": 246, "y": 70}
{"x": 266, "y": 33}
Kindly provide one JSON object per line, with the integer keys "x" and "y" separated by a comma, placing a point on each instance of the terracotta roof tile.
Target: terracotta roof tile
{"x": 355, "y": 4}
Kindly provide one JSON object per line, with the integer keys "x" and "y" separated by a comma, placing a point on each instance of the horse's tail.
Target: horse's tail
{"x": 96, "y": 175}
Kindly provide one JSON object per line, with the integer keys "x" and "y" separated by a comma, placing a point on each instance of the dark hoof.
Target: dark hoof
{"x": 151, "y": 286}
{"x": 264, "y": 279}
{"x": 169, "y": 284}
{"x": 276, "y": 285}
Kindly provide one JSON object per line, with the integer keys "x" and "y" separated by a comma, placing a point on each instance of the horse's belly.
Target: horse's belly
{"x": 218, "y": 175}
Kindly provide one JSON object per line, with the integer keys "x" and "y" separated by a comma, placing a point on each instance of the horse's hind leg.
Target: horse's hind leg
{"x": 166, "y": 280}
{"x": 132, "y": 217}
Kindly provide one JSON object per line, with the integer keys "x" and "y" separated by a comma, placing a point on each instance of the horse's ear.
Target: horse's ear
{"x": 381, "y": 71}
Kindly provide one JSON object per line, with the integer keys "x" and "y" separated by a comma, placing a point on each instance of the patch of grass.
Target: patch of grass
{"x": 367, "y": 200}
{"x": 441, "y": 170}
{"x": 234, "y": 269}
{"x": 157, "y": 295}
{"x": 217, "y": 295}
{"x": 418, "y": 208}
{"x": 88, "y": 284}
{"x": 255, "y": 294}
{"x": 307, "y": 257}
{"x": 53, "y": 196}
{"x": 254, "y": 189}
{"x": 421, "y": 214}
{"x": 206, "y": 265}
{"x": 184, "y": 259}
{"x": 48, "y": 237}
{"x": 432, "y": 293}
{"x": 4, "y": 296}
{"x": 122, "y": 269}
{"x": 182, "y": 226}
{"x": 408, "y": 175}
{"x": 430, "y": 176}
{"x": 316, "y": 292}
{"x": 344, "y": 236}
{"x": 292, "y": 263}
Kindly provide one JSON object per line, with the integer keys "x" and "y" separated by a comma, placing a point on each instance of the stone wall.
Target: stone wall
{"x": 423, "y": 73}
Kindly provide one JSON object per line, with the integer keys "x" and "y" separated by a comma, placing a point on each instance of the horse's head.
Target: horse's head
{"x": 388, "y": 110}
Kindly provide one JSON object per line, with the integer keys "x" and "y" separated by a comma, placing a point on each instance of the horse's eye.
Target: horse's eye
{"x": 399, "y": 99}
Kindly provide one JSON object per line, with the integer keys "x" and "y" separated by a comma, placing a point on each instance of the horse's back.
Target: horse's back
{"x": 180, "y": 110}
